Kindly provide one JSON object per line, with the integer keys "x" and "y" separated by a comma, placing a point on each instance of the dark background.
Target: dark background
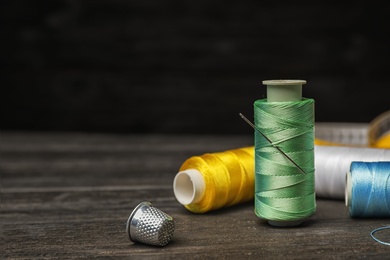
{"x": 183, "y": 67}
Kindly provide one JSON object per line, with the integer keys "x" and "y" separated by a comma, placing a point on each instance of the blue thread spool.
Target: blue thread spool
{"x": 367, "y": 193}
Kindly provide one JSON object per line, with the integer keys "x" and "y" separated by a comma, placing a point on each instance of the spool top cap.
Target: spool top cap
{"x": 284, "y": 82}
{"x": 283, "y": 90}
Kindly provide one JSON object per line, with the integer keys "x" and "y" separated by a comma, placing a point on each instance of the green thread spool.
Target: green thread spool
{"x": 283, "y": 194}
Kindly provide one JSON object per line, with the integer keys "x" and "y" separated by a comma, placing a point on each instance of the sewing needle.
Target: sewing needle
{"x": 258, "y": 130}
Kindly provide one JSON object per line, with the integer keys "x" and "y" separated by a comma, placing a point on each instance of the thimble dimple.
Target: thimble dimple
{"x": 149, "y": 225}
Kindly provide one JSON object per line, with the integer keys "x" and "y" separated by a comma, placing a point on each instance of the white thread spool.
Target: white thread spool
{"x": 284, "y": 91}
{"x": 332, "y": 163}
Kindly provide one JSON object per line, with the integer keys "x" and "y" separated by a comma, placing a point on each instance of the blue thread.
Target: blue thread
{"x": 376, "y": 239}
{"x": 370, "y": 192}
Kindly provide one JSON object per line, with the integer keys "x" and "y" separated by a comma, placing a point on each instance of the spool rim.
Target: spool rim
{"x": 188, "y": 186}
{"x": 284, "y": 82}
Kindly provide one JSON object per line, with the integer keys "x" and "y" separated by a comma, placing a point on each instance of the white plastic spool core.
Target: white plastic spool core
{"x": 188, "y": 186}
{"x": 284, "y": 90}
{"x": 348, "y": 189}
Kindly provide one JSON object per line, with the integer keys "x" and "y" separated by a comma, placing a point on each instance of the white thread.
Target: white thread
{"x": 332, "y": 164}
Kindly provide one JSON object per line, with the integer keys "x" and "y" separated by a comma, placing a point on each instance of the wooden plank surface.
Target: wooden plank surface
{"x": 69, "y": 196}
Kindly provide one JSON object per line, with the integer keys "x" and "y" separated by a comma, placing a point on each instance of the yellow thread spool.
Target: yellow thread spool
{"x": 215, "y": 180}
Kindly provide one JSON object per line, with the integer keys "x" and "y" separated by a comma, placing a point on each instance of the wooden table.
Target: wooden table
{"x": 68, "y": 195}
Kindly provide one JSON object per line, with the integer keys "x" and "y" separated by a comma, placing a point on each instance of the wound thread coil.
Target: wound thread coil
{"x": 215, "y": 180}
{"x": 368, "y": 189}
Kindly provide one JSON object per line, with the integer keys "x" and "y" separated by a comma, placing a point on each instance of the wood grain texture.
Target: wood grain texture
{"x": 68, "y": 196}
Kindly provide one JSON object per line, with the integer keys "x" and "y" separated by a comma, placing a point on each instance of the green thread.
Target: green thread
{"x": 282, "y": 191}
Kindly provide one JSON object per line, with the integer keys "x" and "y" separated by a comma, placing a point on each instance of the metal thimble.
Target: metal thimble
{"x": 149, "y": 225}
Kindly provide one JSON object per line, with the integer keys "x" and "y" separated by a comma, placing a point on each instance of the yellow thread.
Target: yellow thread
{"x": 383, "y": 142}
{"x": 378, "y": 131}
{"x": 228, "y": 178}
{"x": 327, "y": 143}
